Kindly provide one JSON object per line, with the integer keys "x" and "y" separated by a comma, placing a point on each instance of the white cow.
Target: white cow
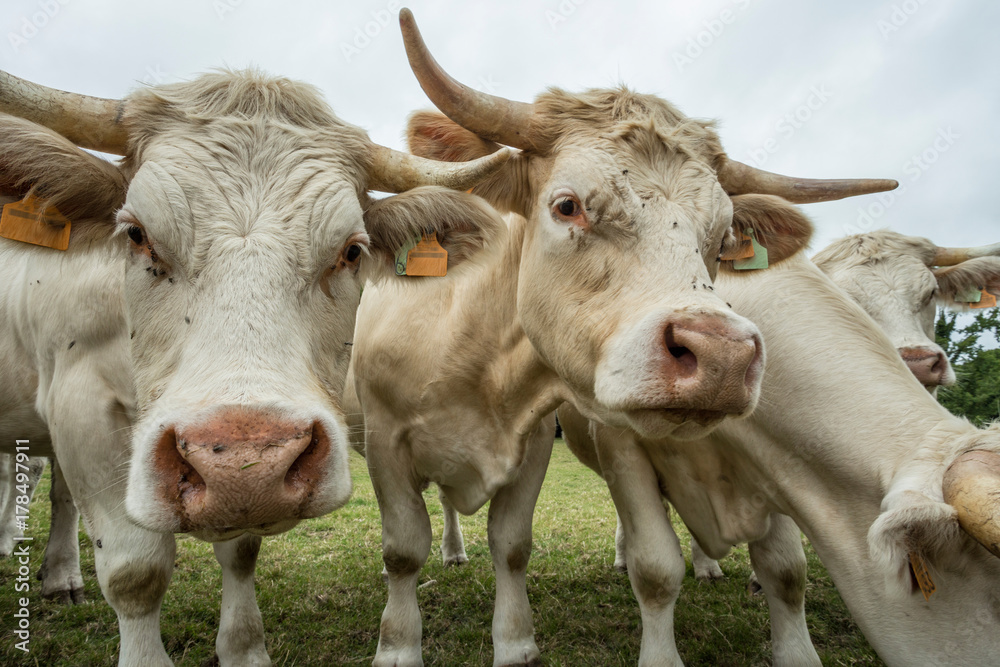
{"x": 899, "y": 281}
{"x": 846, "y": 444}
{"x": 458, "y": 381}
{"x": 184, "y": 358}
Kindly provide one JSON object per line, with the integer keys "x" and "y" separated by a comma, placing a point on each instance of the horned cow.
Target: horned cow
{"x": 184, "y": 359}
{"x": 600, "y": 292}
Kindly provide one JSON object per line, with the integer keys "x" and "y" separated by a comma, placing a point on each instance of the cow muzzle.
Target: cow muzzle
{"x": 242, "y": 469}
{"x": 928, "y": 365}
{"x": 696, "y": 370}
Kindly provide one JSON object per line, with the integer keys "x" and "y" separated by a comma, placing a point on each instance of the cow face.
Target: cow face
{"x": 245, "y": 243}
{"x": 896, "y": 279}
{"x": 628, "y": 208}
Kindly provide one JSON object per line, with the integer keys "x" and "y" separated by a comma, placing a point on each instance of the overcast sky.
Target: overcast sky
{"x": 907, "y": 89}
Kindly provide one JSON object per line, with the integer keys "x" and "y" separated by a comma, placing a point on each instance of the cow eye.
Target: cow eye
{"x": 352, "y": 253}
{"x": 136, "y": 234}
{"x": 568, "y": 209}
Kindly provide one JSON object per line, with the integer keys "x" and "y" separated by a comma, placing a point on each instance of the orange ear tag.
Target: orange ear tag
{"x": 427, "y": 258}
{"x": 987, "y": 301}
{"x": 26, "y": 221}
{"x": 744, "y": 251}
{"x": 922, "y": 576}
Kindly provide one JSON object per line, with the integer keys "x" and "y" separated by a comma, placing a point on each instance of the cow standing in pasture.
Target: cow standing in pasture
{"x": 184, "y": 358}
{"x": 845, "y": 444}
{"x": 600, "y": 292}
{"x": 899, "y": 281}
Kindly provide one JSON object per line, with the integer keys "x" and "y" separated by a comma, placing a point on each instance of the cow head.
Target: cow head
{"x": 628, "y": 207}
{"x": 899, "y": 280}
{"x": 241, "y": 214}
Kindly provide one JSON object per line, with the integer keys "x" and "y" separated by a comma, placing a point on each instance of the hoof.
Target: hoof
{"x": 460, "y": 559}
{"x": 534, "y": 662}
{"x": 754, "y": 587}
{"x": 621, "y": 567}
{"x": 67, "y": 597}
{"x": 711, "y": 576}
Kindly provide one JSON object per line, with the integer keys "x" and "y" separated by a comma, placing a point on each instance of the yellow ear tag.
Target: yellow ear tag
{"x": 744, "y": 251}
{"x": 427, "y": 258}
{"x": 986, "y": 301}
{"x": 26, "y": 221}
{"x": 921, "y": 574}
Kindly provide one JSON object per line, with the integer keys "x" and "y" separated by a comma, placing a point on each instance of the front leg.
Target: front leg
{"x": 15, "y": 481}
{"x": 780, "y": 564}
{"x": 60, "y": 573}
{"x": 653, "y": 553}
{"x": 705, "y": 568}
{"x": 452, "y": 541}
{"x": 406, "y": 544}
{"x": 509, "y": 528}
{"x": 241, "y": 629}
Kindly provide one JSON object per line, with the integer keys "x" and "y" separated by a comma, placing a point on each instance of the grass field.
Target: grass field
{"x": 321, "y": 594}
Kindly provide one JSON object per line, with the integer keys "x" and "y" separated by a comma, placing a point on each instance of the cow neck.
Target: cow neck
{"x": 825, "y": 448}
{"x": 524, "y": 388}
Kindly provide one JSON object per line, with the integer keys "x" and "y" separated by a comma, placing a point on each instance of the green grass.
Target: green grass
{"x": 321, "y": 594}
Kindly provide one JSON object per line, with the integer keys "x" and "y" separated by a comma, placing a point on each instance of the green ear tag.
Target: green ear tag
{"x": 402, "y": 254}
{"x": 969, "y": 295}
{"x": 759, "y": 259}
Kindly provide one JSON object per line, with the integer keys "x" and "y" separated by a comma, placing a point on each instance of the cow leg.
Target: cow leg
{"x": 134, "y": 565}
{"x": 509, "y": 528}
{"x": 621, "y": 557}
{"x": 452, "y": 542}
{"x": 653, "y": 552}
{"x": 11, "y": 489}
{"x": 780, "y": 564}
{"x": 406, "y": 544}
{"x": 705, "y": 568}
{"x": 241, "y": 628}
{"x": 60, "y": 573}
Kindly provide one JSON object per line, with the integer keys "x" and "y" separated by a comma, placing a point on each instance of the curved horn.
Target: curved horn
{"x": 740, "y": 179}
{"x": 972, "y": 486}
{"x": 90, "y": 122}
{"x": 953, "y": 256}
{"x": 491, "y": 117}
{"x": 393, "y": 171}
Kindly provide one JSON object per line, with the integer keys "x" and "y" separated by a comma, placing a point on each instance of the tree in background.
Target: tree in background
{"x": 976, "y": 394}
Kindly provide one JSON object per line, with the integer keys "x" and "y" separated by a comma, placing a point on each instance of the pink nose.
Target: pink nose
{"x": 928, "y": 365}
{"x": 711, "y": 364}
{"x": 240, "y": 469}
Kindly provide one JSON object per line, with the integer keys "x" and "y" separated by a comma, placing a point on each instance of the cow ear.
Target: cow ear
{"x": 432, "y": 135}
{"x": 464, "y": 224}
{"x": 36, "y": 160}
{"x": 956, "y": 281}
{"x": 777, "y": 225}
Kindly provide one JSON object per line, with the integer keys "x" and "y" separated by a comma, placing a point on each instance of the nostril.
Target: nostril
{"x": 305, "y": 469}
{"x": 686, "y": 360}
{"x": 677, "y": 351}
{"x": 172, "y": 459}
